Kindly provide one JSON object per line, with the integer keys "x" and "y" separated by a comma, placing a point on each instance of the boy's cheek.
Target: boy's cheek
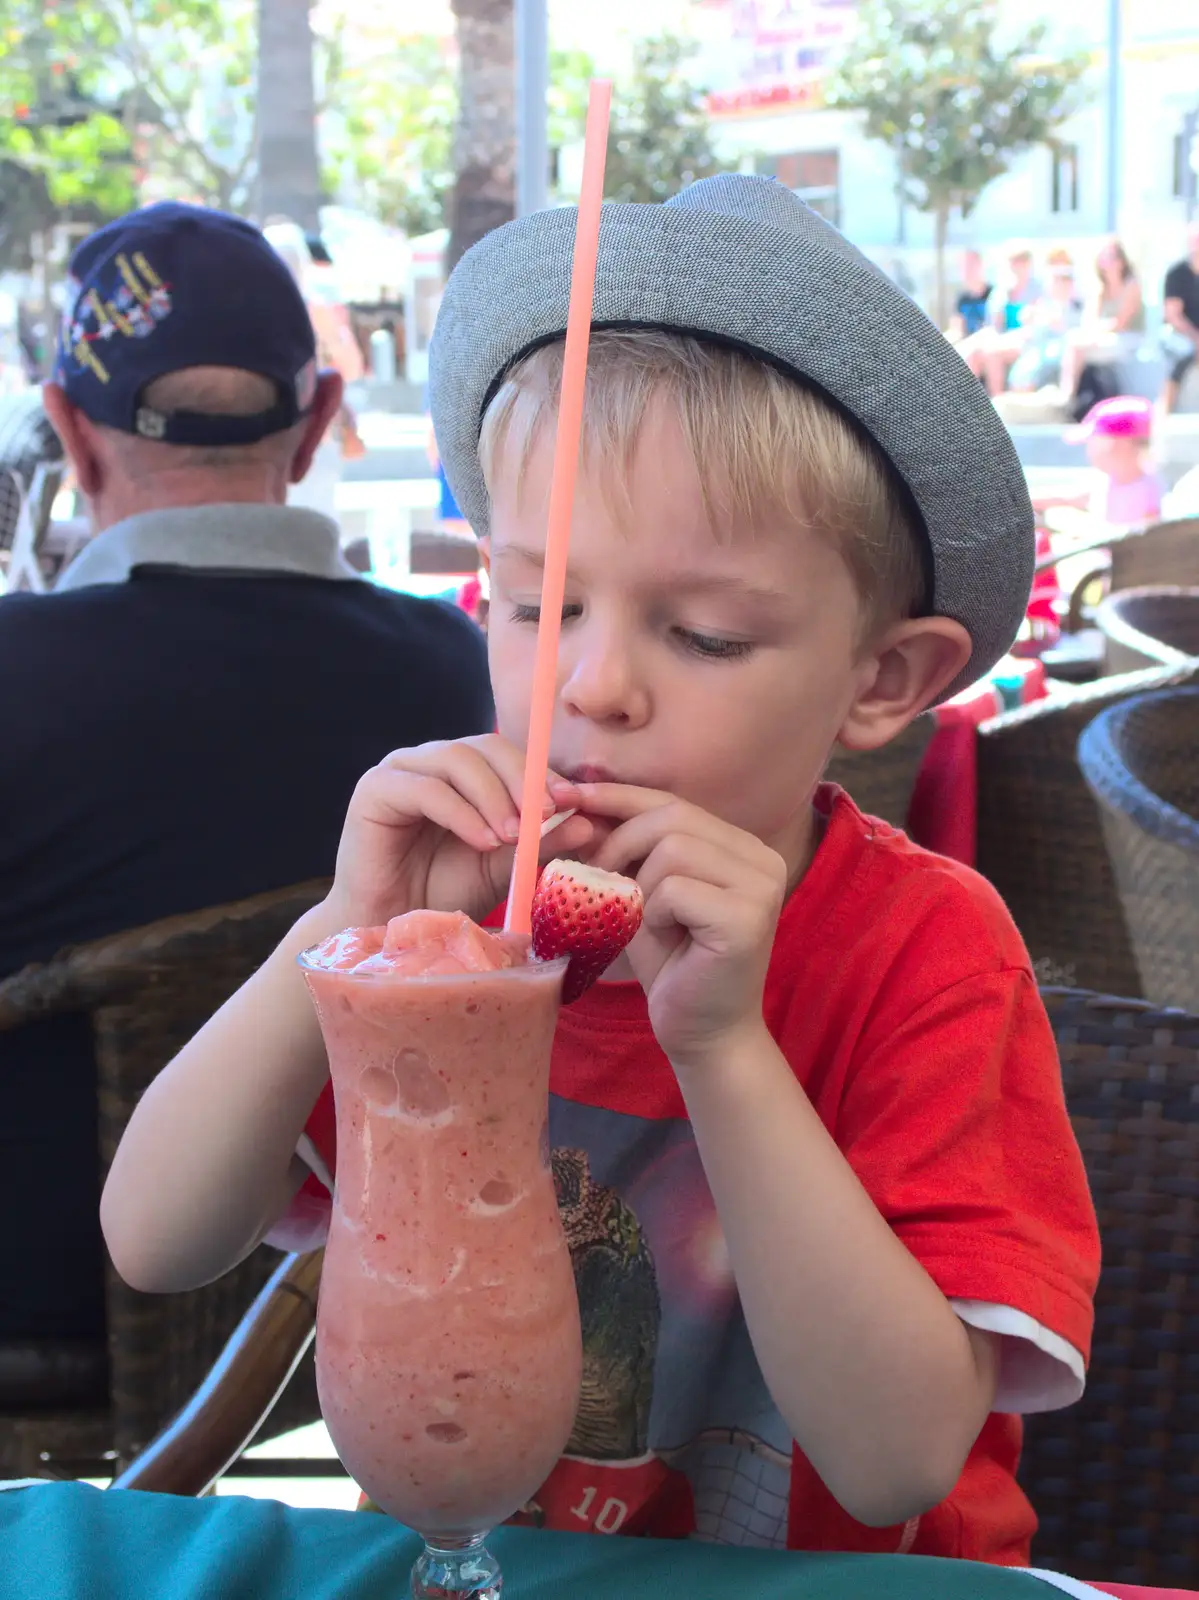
{"x": 509, "y": 685}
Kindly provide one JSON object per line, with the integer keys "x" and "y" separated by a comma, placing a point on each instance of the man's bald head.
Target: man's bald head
{"x": 213, "y": 392}
{"x": 123, "y": 474}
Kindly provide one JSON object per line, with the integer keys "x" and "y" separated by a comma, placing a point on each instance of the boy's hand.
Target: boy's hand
{"x": 434, "y": 827}
{"x": 713, "y": 895}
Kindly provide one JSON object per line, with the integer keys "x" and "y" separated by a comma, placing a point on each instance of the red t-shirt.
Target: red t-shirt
{"x": 902, "y": 997}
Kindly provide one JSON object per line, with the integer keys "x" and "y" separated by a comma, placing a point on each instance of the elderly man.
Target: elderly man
{"x": 185, "y": 717}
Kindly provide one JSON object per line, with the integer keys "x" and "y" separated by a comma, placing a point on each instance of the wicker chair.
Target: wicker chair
{"x": 881, "y": 781}
{"x": 1114, "y": 1478}
{"x": 1141, "y": 761}
{"x": 1040, "y": 840}
{"x": 1163, "y": 553}
{"x": 32, "y": 453}
{"x": 146, "y": 993}
{"x": 1153, "y": 627}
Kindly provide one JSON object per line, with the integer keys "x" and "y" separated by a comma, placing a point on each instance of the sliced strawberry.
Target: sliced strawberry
{"x": 586, "y": 914}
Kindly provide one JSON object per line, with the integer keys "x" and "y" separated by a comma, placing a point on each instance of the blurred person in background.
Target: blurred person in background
{"x": 1180, "y": 308}
{"x": 970, "y": 310}
{"x": 1048, "y": 325}
{"x": 337, "y": 349}
{"x": 1124, "y": 490}
{"x": 1113, "y": 320}
{"x": 991, "y": 352}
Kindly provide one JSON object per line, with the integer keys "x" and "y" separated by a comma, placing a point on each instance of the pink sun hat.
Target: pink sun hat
{"x": 1125, "y": 416}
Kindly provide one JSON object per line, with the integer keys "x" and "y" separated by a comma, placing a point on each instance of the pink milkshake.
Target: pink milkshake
{"x": 448, "y": 1346}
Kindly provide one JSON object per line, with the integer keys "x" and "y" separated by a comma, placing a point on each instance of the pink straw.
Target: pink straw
{"x": 562, "y": 494}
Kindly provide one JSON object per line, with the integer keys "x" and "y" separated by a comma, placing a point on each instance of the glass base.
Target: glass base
{"x": 457, "y": 1570}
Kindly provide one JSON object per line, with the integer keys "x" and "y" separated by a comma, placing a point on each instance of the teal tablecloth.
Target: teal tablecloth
{"x": 68, "y": 1542}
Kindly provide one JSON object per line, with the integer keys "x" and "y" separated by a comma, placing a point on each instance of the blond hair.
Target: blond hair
{"x": 768, "y": 449}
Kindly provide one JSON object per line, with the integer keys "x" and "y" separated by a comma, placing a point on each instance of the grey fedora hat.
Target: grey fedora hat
{"x": 742, "y": 260}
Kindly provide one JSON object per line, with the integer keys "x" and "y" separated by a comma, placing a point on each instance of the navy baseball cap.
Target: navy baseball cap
{"x": 174, "y": 286}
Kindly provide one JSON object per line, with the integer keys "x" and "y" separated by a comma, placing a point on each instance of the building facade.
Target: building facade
{"x": 765, "y": 60}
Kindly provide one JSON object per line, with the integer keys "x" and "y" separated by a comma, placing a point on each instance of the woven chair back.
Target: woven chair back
{"x": 1040, "y": 837}
{"x": 1141, "y": 762}
{"x": 1113, "y": 1479}
{"x": 1153, "y": 627}
{"x": 147, "y": 992}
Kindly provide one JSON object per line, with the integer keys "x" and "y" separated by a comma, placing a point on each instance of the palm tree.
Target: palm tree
{"x": 289, "y": 182}
{"x": 484, "y": 193}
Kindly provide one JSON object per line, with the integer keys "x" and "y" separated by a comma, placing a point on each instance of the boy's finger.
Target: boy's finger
{"x": 632, "y": 841}
{"x": 705, "y": 861}
{"x": 719, "y": 921}
{"x": 464, "y": 771}
{"x": 466, "y": 768}
{"x": 622, "y": 801}
{"x": 401, "y": 798}
{"x": 509, "y": 764}
{"x": 446, "y": 758}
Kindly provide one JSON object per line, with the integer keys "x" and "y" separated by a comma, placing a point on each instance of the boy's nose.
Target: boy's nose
{"x": 601, "y": 686}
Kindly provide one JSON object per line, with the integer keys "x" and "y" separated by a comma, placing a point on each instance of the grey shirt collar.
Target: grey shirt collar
{"x": 215, "y": 538}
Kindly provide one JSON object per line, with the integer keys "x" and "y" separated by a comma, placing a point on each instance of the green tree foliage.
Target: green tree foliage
{"x": 65, "y": 149}
{"x": 97, "y": 94}
{"x": 955, "y": 99}
{"x": 389, "y": 150}
{"x": 659, "y": 137}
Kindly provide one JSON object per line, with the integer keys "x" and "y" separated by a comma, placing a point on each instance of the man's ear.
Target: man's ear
{"x": 326, "y": 403}
{"x": 78, "y": 440}
{"x": 904, "y": 673}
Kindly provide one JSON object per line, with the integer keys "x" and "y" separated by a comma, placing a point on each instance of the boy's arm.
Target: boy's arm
{"x": 883, "y": 1386}
{"x": 208, "y": 1162}
{"x": 885, "y": 1404}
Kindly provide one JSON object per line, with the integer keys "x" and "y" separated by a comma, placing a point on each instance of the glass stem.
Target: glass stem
{"x": 456, "y": 1569}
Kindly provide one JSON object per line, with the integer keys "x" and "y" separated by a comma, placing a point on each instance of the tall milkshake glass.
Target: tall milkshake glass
{"x": 448, "y": 1345}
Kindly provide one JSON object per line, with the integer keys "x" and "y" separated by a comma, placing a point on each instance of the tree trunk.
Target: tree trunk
{"x": 289, "y": 184}
{"x": 485, "y": 140}
{"x": 942, "y": 296}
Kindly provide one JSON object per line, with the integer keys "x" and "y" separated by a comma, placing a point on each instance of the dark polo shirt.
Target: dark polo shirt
{"x": 183, "y": 722}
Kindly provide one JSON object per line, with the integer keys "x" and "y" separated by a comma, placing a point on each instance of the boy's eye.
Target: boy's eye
{"x": 712, "y": 648}
{"x": 523, "y": 613}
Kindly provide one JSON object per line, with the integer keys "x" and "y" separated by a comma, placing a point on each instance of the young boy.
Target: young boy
{"x": 815, "y": 1118}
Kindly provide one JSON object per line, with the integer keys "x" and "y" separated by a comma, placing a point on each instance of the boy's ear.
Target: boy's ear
{"x": 485, "y": 553}
{"x": 903, "y": 673}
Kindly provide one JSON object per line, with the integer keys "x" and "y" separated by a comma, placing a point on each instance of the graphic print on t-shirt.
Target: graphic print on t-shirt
{"x": 676, "y": 1431}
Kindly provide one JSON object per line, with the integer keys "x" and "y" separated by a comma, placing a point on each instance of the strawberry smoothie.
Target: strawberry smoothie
{"x": 448, "y": 1346}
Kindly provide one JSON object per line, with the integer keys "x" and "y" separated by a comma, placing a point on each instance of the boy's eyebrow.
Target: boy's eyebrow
{"x": 714, "y": 583}
{"x": 535, "y": 558}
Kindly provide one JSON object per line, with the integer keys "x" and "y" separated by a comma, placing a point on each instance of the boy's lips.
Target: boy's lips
{"x": 590, "y": 773}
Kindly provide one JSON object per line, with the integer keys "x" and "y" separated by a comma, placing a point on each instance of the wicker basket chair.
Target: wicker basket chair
{"x": 146, "y": 992}
{"x": 881, "y": 781}
{"x": 1141, "y": 761}
{"x": 1135, "y": 558}
{"x": 32, "y": 459}
{"x": 1151, "y": 627}
{"x": 1114, "y": 1479}
{"x": 1040, "y": 839}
